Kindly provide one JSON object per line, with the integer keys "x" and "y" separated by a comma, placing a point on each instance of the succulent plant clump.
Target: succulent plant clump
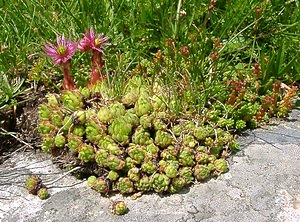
{"x": 33, "y": 184}
{"x": 119, "y": 208}
{"x": 132, "y": 144}
{"x": 43, "y": 193}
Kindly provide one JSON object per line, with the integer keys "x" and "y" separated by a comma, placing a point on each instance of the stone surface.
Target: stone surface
{"x": 263, "y": 184}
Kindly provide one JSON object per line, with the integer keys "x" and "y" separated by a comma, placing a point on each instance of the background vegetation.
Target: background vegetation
{"x": 194, "y": 47}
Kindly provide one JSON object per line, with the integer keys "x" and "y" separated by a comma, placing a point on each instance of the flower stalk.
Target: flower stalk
{"x": 94, "y": 44}
{"x": 97, "y": 64}
{"x": 68, "y": 83}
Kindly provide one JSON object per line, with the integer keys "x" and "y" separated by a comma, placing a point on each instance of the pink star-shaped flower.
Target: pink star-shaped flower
{"x": 93, "y": 41}
{"x": 62, "y": 52}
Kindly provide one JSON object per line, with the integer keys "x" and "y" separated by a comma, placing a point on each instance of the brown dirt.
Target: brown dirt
{"x": 21, "y": 122}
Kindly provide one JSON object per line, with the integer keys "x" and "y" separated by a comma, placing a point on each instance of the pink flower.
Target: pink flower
{"x": 62, "y": 52}
{"x": 93, "y": 41}
{"x": 61, "y": 55}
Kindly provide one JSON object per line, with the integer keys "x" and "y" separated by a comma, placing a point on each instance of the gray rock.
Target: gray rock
{"x": 263, "y": 184}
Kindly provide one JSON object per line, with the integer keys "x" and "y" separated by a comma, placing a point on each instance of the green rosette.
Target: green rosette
{"x": 186, "y": 157}
{"x": 119, "y": 208}
{"x": 60, "y": 141}
{"x": 91, "y": 114}
{"x": 91, "y": 180}
{"x": 74, "y": 142}
{"x": 33, "y": 184}
{"x": 101, "y": 157}
{"x": 105, "y": 142}
{"x": 78, "y": 130}
{"x": 146, "y": 121}
{"x": 129, "y": 163}
{"x": 120, "y": 130}
{"x": 153, "y": 150}
{"x": 144, "y": 184}
{"x": 85, "y": 92}
{"x": 43, "y": 193}
{"x": 170, "y": 153}
{"x": 114, "y": 149}
{"x": 143, "y": 105}
{"x": 48, "y": 143}
{"x": 134, "y": 174}
{"x": 163, "y": 139}
{"x": 221, "y": 165}
{"x": 200, "y": 133}
{"x": 177, "y": 184}
{"x": 160, "y": 182}
{"x": 79, "y": 117}
{"x": 177, "y": 129}
{"x": 113, "y": 175}
{"x": 130, "y": 97}
{"x": 189, "y": 126}
{"x": 132, "y": 118}
{"x": 46, "y": 127}
{"x": 211, "y": 158}
{"x": 115, "y": 163}
{"x": 201, "y": 158}
{"x": 72, "y": 100}
{"x": 149, "y": 167}
{"x": 171, "y": 169}
{"x": 100, "y": 185}
{"x": 94, "y": 130}
{"x": 202, "y": 149}
{"x": 187, "y": 174}
{"x": 124, "y": 185}
{"x": 44, "y": 112}
{"x": 216, "y": 148}
{"x": 159, "y": 124}
{"x": 86, "y": 153}
{"x": 189, "y": 140}
{"x": 211, "y": 167}
{"x": 104, "y": 115}
{"x": 141, "y": 137}
{"x": 201, "y": 172}
{"x": 159, "y": 103}
{"x": 117, "y": 109}
{"x": 137, "y": 153}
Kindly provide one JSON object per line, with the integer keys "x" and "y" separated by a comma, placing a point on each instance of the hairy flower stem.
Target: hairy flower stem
{"x": 97, "y": 64}
{"x": 68, "y": 83}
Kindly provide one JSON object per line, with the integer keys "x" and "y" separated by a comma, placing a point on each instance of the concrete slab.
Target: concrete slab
{"x": 263, "y": 184}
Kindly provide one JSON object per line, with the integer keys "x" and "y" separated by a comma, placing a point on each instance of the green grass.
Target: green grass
{"x": 249, "y": 31}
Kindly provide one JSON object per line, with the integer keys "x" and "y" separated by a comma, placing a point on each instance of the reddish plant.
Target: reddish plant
{"x": 214, "y": 55}
{"x": 184, "y": 50}
{"x": 237, "y": 91}
{"x": 212, "y": 5}
{"x": 257, "y": 71}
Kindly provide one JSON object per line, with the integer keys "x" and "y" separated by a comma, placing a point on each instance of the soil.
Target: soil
{"x": 19, "y": 124}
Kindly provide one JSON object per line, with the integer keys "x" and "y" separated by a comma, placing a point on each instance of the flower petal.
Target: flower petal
{"x": 60, "y": 56}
